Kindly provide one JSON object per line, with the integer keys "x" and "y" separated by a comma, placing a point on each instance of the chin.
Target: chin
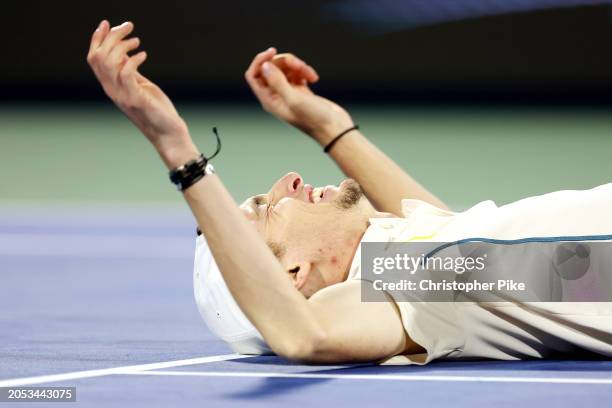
{"x": 346, "y": 183}
{"x": 350, "y": 193}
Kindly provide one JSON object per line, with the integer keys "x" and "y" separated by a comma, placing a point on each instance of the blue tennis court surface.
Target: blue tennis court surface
{"x": 101, "y": 298}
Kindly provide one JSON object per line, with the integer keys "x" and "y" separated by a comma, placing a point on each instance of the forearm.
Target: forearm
{"x": 252, "y": 273}
{"x": 383, "y": 181}
{"x": 286, "y": 95}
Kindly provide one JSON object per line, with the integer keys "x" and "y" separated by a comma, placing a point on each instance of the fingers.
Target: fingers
{"x": 311, "y": 75}
{"x": 277, "y": 80}
{"x": 129, "y": 72}
{"x": 115, "y": 35}
{"x": 295, "y": 69}
{"x": 119, "y": 53}
{"x": 109, "y": 59}
{"x": 109, "y": 51}
{"x": 98, "y": 36}
{"x": 128, "y": 45}
{"x": 300, "y": 68}
{"x": 254, "y": 69}
{"x": 253, "y": 73}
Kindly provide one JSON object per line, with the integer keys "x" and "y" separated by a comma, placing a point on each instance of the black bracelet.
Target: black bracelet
{"x": 331, "y": 144}
{"x": 189, "y": 173}
{"x": 194, "y": 170}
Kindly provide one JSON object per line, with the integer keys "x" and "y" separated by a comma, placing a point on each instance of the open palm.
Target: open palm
{"x": 144, "y": 103}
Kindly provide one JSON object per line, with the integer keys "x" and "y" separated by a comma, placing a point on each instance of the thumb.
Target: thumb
{"x": 276, "y": 80}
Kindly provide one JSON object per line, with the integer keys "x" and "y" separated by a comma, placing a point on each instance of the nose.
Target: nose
{"x": 290, "y": 185}
{"x": 293, "y": 182}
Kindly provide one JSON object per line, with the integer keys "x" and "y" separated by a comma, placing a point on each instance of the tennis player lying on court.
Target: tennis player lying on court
{"x": 290, "y": 257}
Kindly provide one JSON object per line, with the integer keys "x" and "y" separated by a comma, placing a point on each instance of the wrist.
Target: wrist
{"x": 326, "y": 134}
{"x": 337, "y": 121}
{"x": 178, "y": 153}
{"x": 335, "y": 140}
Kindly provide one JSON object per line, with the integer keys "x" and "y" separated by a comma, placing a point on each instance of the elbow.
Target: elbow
{"x": 305, "y": 349}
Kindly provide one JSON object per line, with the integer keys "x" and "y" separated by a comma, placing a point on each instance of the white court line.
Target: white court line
{"x": 386, "y": 377}
{"x": 17, "y": 382}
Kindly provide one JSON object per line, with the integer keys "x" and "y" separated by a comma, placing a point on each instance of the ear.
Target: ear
{"x": 299, "y": 273}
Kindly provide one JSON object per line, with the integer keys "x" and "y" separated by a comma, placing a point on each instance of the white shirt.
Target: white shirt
{"x": 501, "y": 330}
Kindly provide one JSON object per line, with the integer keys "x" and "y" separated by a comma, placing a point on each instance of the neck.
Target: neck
{"x": 358, "y": 236}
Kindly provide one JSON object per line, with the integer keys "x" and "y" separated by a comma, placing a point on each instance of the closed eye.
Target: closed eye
{"x": 259, "y": 200}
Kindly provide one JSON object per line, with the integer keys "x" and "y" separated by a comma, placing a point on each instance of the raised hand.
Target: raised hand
{"x": 281, "y": 83}
{"x": 143, "y": 102}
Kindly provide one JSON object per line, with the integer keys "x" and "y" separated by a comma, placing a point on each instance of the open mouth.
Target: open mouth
{"x": 317, "y": 195}
{"x": 323, "y": 194}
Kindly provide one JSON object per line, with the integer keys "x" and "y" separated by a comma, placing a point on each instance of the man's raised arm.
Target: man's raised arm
{"x": 280, "y": 82}
{"x": 328, "y": 327}
{"x": 265, "y": 293}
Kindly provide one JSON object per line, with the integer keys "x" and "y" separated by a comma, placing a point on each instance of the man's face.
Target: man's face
{"x": 314, "y": 232}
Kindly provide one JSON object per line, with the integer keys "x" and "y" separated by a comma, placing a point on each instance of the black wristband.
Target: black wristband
{"x": 331, "y": 144}
{"x": 189, "y": 173}
{"x": 192, "y": 171}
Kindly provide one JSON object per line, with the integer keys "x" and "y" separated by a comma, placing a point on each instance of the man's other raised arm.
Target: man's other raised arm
{"x": 281, "y": 83}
